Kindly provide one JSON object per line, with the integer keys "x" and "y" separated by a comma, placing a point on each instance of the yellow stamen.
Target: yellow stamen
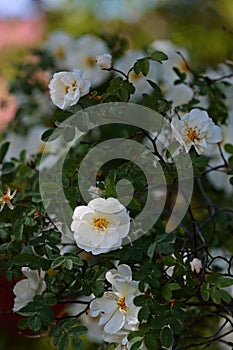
{"x": 135, "y": 76}
{"x": 90, "y": 61}
{"x": 101, "y": 224}
{"x": 192, "y": 134}
{"x": 121, "y": 304}
{"x": 60, "y": 52}
{"x": 5, "y": 198}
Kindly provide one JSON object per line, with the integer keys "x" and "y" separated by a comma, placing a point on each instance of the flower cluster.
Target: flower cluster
{"x": 116, "y": 309}
{"x": 92, "y": 255}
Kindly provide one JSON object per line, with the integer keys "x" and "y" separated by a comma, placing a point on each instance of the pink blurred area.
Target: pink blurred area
{"x": 21, "y": 32}
{"x": 8, "y": 105}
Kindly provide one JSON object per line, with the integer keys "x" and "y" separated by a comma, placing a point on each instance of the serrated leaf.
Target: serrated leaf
{"x": 59, "y": 261}
{"x": 68, "y": 264}
{"x": 34, "y": 323}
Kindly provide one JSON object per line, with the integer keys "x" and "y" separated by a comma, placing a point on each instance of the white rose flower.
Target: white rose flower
{"x": 118, "y": 314}
{"x": 83, "y": 55}
{"x": 26, "y": 289}
{"x": 58, "y": 44}
{"x": 101, "y": 225}
{"x": 138, "y": 80}
{"x": 66, "y": 88}
{"x": 197, "y": 129}
{"x": 196, "y": 265}
{"x": 165, "y": 71}
{"x": 104, "y": 61}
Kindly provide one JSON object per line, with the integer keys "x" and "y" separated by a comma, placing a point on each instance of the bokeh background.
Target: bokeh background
{"x": 204, "y": 28}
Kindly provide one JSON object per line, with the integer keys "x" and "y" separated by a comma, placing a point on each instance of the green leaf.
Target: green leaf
{"x": 47, "y": 317}
{"x": 166, "y": 337}
{"x": 3, "y": 150}
{"x": 151, "y": 250}
{"x": 98, "y": 289}
{"x": 176, "y": 325}
{"x": 19, "y": 231}
{"x": 23, "y": 323}
{"x": 144, "y": 66}
{"x": 151, "y": 342}
{"x": 144, "y": 314}
{"x": 215, "y": 295}
{"x": 166, "y": 292}
{"x": 63, "y": 342}
{"x": 223, "y": 282}
{"x": 8, "y": 168}
{"x": 47, "y": 134}
{"x": 140, "y": 300}
{"x": 136, "y": 335}
{"x": 205, "y": 293}
{"x": 158, "y": 56}
{"x": 225, "y": 296}
{"x": 228, "y": 148}
{"x": 136, "y": 345}
{"x": 68, "y": 264}
{"x": 34, "y": 323}
{"x": 159, "y": 322}
{"x": 59, "y": 261}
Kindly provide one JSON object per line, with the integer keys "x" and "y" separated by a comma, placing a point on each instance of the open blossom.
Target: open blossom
{"x": 58, "y": 44}
{"x": 27, "y": 288}
{"x": 104, "y": 61}
{"x": 101, "y": 225}
{"x": 196, "y": 265}
{"x": 197, "y": 129}
{"x": 66, "y": 88}
{"x": 6, "y": 199}
{"x": 83, "y": 55}
{"x": 118, "y": 314}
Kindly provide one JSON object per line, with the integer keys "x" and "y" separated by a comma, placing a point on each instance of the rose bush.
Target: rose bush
{"x": 145, "y": 289}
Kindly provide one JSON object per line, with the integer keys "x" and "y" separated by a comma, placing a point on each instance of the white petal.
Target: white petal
{"x": 115, "y": 323}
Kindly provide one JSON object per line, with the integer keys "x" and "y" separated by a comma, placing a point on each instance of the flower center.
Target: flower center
{"x": 90, "y": 61}
{"x": 134, "y": 76}
{"x": 101, "y": 223}
{"x": 5, "y": 198}
{"x": 183, "y": 67}
{"x": 192, "y": 134}
{"x": 60, "y": 52}
{"x": 121, "y": 304}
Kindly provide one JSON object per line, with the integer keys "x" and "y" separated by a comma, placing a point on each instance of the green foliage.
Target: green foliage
{"x": 173, "y": 297}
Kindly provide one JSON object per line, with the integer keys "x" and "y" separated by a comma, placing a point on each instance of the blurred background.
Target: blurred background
{"x": 204, "y": 28}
